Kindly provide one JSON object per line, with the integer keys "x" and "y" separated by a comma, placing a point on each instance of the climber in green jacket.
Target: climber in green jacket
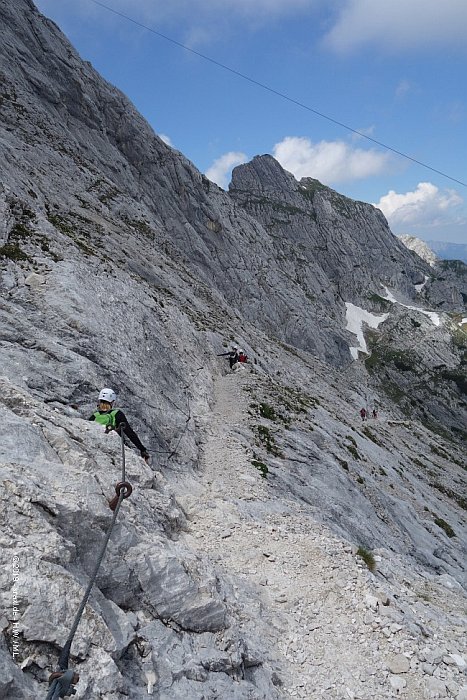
{"x": 115, "y": 419}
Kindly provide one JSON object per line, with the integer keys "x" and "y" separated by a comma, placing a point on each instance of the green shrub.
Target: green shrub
{"x": 19, "y": 231}
{"x": 384, "y": 304}
{"x": 445, "y": 526}
{"x": 267, "y": 411}
{"x": 459, "y": 338}
{"x": 458, "y": 377}
{"x": 261, "y": 466}
{"x": 381, "y": 356}
{"x": 268, "y": 440}
{"x": 438, "y": 451}
{"x": 367, "y": 557}
{"x": 13, "y": 252}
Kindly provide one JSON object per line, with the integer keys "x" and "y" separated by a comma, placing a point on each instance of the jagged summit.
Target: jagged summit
{"x": 262, "y": 174}
{"x": 348, "y": 241}
{"x": 420, "y": 247}
{"x": 232, "y": 571}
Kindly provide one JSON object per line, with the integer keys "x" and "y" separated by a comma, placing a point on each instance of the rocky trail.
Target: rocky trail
{"x": 344, "y": 632}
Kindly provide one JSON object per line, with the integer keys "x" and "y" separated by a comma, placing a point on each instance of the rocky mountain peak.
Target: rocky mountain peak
{"x": 262, "y": 174}
{"x": 420, "y": 247}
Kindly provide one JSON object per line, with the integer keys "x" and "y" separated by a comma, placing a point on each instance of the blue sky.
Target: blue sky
{"x": 393, "y": 70}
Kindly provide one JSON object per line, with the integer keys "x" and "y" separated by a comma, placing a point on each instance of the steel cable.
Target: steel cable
{"x": 61, "y": 686}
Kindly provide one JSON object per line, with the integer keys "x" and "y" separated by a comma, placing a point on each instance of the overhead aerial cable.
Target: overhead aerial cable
{"x": 275, "y": 92}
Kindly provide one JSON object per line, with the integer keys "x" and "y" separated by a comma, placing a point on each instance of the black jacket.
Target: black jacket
{"x": 128, "y": 430}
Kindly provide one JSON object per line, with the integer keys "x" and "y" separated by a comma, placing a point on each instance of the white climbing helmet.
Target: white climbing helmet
{"x": 107, "y": 395}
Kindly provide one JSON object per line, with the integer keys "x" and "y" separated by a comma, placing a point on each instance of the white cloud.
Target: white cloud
{"x": 403, "y": 88}
{"x": 220, "y": 170}
{"x": 328, "y": 161}
{"x": 400, "y": 24}
{"x": 166, "y": 139}
{"x": 426, "y": 206}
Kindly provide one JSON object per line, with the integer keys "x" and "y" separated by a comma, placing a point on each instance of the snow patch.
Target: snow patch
{"x": 356, "y": 317}
{"x": 434, "y": 317}
{"x": 419, "y": 287}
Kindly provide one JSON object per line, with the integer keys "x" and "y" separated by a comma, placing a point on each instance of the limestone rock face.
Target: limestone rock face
{"x": 77, "y": 151}
{"x": 236, "y": 568}
{"x": 348, "y": 241}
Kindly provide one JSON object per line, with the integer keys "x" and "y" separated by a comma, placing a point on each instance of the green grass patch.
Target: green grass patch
{"x": 438, "y": 451}
{"x": 460, "y": 500}
{"x": 366, "y": 431}
{"x": 61, "y": 224}
{"x": 382, "y": 356}
{"x": 261, "y": 466}
{"x": 352, "y": 448}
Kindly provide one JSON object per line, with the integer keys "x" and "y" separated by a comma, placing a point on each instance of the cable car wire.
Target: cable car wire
{"x": 275, "y": 92}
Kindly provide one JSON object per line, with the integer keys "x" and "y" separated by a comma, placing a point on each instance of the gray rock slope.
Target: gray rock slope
{"x": 232, "y": 570}
{"x": 69, "y": 132}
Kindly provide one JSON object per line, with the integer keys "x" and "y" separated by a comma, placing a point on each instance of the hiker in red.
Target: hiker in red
{"x": 241, "y": 356}
{"x": 363, "y": 413}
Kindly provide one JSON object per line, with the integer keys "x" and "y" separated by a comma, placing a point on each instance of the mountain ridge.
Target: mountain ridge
{"x": 236, "y": 569}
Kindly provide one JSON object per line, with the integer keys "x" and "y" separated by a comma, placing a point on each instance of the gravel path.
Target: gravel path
{"x": 339, "y": 635}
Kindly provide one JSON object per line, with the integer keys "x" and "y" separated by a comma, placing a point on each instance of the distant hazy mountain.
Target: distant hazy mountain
{"x": 420, "y": 247}
{"x": 449, "y": 251}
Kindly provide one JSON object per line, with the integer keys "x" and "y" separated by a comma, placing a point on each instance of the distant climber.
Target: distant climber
{"x": 375, "y": 413}
{"x": 114, "y": 418}
{"x": 232, "y": 355}
{"x": 242, "y": 357}
{"x": 363, "y": 413}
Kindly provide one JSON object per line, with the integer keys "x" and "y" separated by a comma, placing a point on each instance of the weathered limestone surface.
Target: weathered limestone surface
{"x": 232, "y": 570}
